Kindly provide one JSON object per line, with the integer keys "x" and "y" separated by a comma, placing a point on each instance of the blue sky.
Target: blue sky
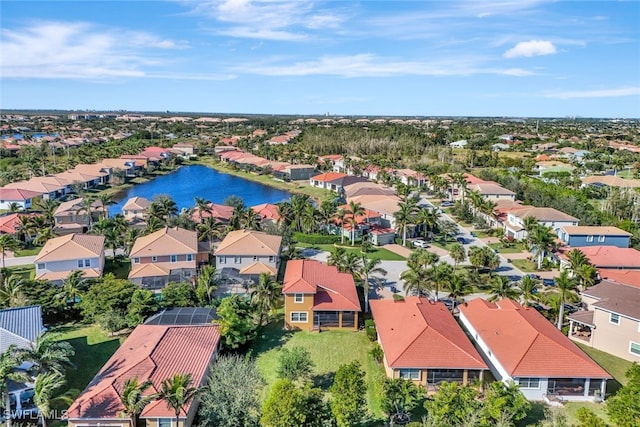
{"x": 528, "y": 58}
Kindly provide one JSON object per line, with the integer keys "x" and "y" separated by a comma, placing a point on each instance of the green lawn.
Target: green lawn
{"x": 28, "y": 252}
{"x": 515, "y": 248}
{"x": 27, "y": 271}
{"x": 525, "y": 265}
{"x": 374, "y": 253}
{"x": 612, "y": 364}
{"x": 93, "y": 348}
{"x": 328, "y": 350}
{"x": 120, "y": 267}
{"x": 570, "y": 409}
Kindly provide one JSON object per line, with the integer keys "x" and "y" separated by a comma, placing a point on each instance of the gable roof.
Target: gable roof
{"x": 267, "y": 211}
{"x": 72, "y": 206}
{"x": 417, "y": 332}
{"x": 166, "y": 241}
{"x": 70, "y": 247}
{"x": 151, "y": 352}
{"x": 542, "y": 214}
{"x": 136, "y": 203}
{"x": 336, "y": 177}
{"x": 588, "y": 230}
{"x": 332, "y": 289}
{"x": 616, "y": 297}
{"x": 610, "y": 256}
{"x": 249, "y": 242}
{"x": 526, "y": 344}
{"x": 17, "y": 194}
{"x": 488, "y": 188}
{"x": 25, "y": 322}
{"x": 628, "y": 277}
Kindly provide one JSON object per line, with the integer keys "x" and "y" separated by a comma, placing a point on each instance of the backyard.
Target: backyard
{"x": 328, "y": 350}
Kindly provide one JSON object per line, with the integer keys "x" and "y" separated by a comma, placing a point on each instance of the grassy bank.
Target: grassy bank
{"x": 292, "y": 187}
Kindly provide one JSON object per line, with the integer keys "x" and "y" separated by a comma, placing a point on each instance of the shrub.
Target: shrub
{"x": 316, "y": 239}
{"x": 377, "y": 353}
{"x": 370, "y": 328}
{"x": 398, "y": 297}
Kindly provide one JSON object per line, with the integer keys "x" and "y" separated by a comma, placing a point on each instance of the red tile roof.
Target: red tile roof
{"x": 610, "y": 256}
{"x": 267, "y": 211}
{"x": 9, "y": 223}
{"x": 418, "y": 333}
{"x": 153, "y": 353}
{"x": 628, "y": 277}
{"x": 17, "y": 194}
{"x": 332, "y": 289}
{"x": 526, "y": 344}
{"x": 329, "y": 176}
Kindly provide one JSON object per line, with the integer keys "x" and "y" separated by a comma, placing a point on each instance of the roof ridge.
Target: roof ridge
{"x": 448, "y": 339}
{"x": 422, "y": 331}
{"x": 538, "y": 334}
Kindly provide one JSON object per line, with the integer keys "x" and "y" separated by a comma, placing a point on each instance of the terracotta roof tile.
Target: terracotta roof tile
{"x": 610, "y": 256}
{"x": 70, "y": 247}
{"x": 418, "y": 333}
{"x": 166, "y": 241}
{"x": 249, "y": 242}
{"x": 330, "y": 177}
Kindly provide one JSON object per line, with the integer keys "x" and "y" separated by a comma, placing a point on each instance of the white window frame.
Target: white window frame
{"x": 272, "y": 259}
{"x": 136, "y": 260}
{"x": 299, "y": 315}
{"x": 298, "y": 298}
{"x": 173, "y": 258}
{"x": 161, "y": 422}
{"x": 237, "y": 260}
{"x": 40, "y": 266}
{"x": 611, "y": 318}
{"x": 601, "y": 239}
{"x": 527, "y": 383}
{"x": 154, "y": 258}
{"x": 411, "y": 374}
{"x": 589, "y": 239}
{"x": 222, "y": 259}
{"x": 631, "y": 344}
{"x": 189, "y": 257}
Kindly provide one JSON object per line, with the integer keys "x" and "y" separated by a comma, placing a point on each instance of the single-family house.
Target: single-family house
{"x": 520, "y": 345}
{"x": 410, "y": 177}
{"x": 607, "y": 257}
{"x": 317, "y": 297}
{"x": 267, "y": 212}
{"x": 329, "y": 181}
{"x": 20, "y": 326}
{"x": 167, "y": 255}
{"x": 549, "y": 217}
{"x": 248, "y": 253}
{"x": 221, "y": 213}
{"x": 610, "y": 181}
{"x": 48, "y": 191}
{"x": 186, "y": 149}
{"x": 611, "y": 322}
{"x": 385, "y": 206}
{"x": 422, "y": 342}
{"x": 151, "y": 353}
{"x": 594, "y": 236}
{"x": 12, "y": 224}
{"x": 367, "y": 188}
{"x": 493, "y": 191}
{"x": 127, "y": 167}
{"x": 135, "y": 209}
{"x": 629, "y": 277}
{"x": 62, "y": 255}
{"x": 23, "y": 199}
{"x": 300, "y": 172}
{"x": 74, "y": 217}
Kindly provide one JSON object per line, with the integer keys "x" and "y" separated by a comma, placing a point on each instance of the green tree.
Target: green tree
{"x": 566, "y": 289}
{"x": 624, "y": 407}
{"x": 178, "y": 294}
{"x": 529, "y": 290}
{"x": 232, "y": 395}
{"x": 337, "y": 258}
{"x": 44, "y": 388}
{"x": 9, "y": 362}
{"x": 107, "y": 299}
{"x": 366, "y": 268}
{"x": 72, "y": 288}
{"x": 453, "y": 405}
{"x": 502, "y": 287}
{"x": 12, "y": 291}
{"x": 458, "y": 254}
{"x": 504, "y": 402}
{"x": 207, "y": 284}
{"x": 294, "y": 363}
{"x": 348, "y": 395}
{"x": 236, "y": 326}
{"x": 289, "y": 405}
{"x": 458, "y": 286}
{"x": 400, "y": 396}
{"x": 143, "y": 304}
{"x": 404, "y": 216}
{"x": 177, "y": 391}
{"x": 265, "y": 297}
{"x": 134, "y": 398}
{"x": 355, "y": 209}
{"x": 541, "y": 241}
{"x": 48, "y": 354}
{"x": 588, "y": 418}
{"x": 7, "y": 243}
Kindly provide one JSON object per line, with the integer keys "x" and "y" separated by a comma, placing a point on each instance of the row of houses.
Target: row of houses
{"x": 280, "y": 170}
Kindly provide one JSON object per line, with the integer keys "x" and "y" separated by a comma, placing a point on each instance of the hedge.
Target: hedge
{"x": 316, "y": 239}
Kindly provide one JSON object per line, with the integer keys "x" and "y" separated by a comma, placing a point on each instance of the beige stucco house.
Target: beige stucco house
{"x": 248, "y": 253}
{"x": 62, "y": 255}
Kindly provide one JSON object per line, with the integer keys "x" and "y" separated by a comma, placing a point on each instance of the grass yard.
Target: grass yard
{"x": 27, "y": 271}
{"x": 515, "y": 248}
{"x": 28, "y": 252}
{"x": 120, "y": 267}
{"x": 328, "y": 349}
{"x": 525, "y": 265}
{"x": 93, "y": 348}
{"x": 374, "y": 253}
{"x": 571, "y": 408}
{"x": 612, "y": 364}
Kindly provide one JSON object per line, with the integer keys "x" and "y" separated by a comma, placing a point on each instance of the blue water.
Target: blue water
{"x": 200, "y": 181}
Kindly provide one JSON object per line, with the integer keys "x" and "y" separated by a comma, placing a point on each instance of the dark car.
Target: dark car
{"x": 461, "y": 240}
{"x": 548, "y": 282}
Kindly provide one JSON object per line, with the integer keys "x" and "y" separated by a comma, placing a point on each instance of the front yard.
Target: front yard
{"x": 328, "y": 349}
{"x": 511, "y": 248}
{"x": 374, "y": 253}
{"x": 524, "y": 265}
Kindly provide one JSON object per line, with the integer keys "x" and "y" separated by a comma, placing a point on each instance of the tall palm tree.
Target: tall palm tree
{"x": 458, "y": 286}
{"x": 501, "y": 287}
{"x": 542, "y": 242}
{"x": 342, "y": 214}
{"x": 105, "y": 199}
{"x": 367, "y": 268}
{"x": 207, "y": 284}
{"x": 586, "y": 275}
{"x": 458, "y": 254}
{"x": 71, "y": 288}
{"x": 529, "y": 290}
{"x": 337, "y": 257}
{"x": 86, "y": 205}
{"x": 566, "y": 289}
{"x": 134, "y": 399}
{"x": 265, "y": 296}
{"x": 202, "y": 206}
{"x": 44, "y": 387}
{"x": 529, "y": 223}
{"x": 130, "y": 238}
{"x": 48, "y": 354}
{"x": 210, "y": 229}
{"x": 351, "y": 263}
{"x": 355, "y": 209}
{"x": 12, "y": 290}
{"x": 404, "y": 216}
{"x": 439, "y": 274}
{"x": 576, "y": 259}
{"x": 327, "y": 211}
{"x": 428, "y": 219}
{"x": 47, "y": 207}
{"x": 177, "y": 392}
{"x": 7, "y": 243}
{"x": 25, "y": 228}
{"x": 416, "y": 278}
{"x": 9, "y": 361}
{"x": 43, "y": 235}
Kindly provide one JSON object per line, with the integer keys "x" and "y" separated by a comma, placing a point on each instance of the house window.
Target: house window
{"x": 136, "y": 260}
{"x": 255, "y": 257}
{"x": 589, "y": 239}
{"x": 84, "y": 263}
{"x": 298, "y": 298}
{"x": 299, "y": 317}
{"x": 164, "y": 422}
{"x": 154, "y": 259}
{"x": 222, "y": 259}
{"x": 189, "y": 257}
{"x": 529, "y": 382}
{"x": 409, "y": 374}
{"x": 174, "y": 258}
{"x": 634, "y": 348}
{"x": 237, "y": 260}
{"x": 600, "y": 239}
{"x": 40, "y": 266}
{"x": 271, "y": 259}
{"x": 614, "y": 318}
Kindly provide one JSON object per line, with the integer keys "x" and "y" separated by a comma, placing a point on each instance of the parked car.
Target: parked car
{"x": 533, "y": 276}
{"x": 446, "y": 204}
{"x": 473, "y": 234}
{"x": 461, "y": 240}
{"x": 548, "y": 282}
{"x": 420, "y": 243}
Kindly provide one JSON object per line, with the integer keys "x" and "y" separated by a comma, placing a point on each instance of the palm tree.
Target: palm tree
{"x": 458, "y": 286}
{"x": 351, "y": 263}
{"x": 576, "y": 259}
{"x": 207, "y": 284}
{"x": 134, "y": 400}
{"x": 71, "y": 287}
{"x": 327, "y": 211}
{"x": 458, "y": 254}
{"x": 566, "y": 289}
{"x": 529, "y": 223}
{"x": 586, "y": 274}
{"x": 428, "y": 219}
{"x": 44, "y": 387}
{"x": 265, "y": 296}
{"x": 404, "y": 216}
{"x": 367, "y": 268}
{"x": 86, "y": 205}
{"x": 130, "y": 238}
{"x": 541, "y": 240}
{"x": 9, "y": 361}
{"x": 25, "y": 227}
{"x": 355, "y": 209}
{"x": 48, "y": 354}
{"x": 43, "y": 235}
{"x": 210, "y": 229}
{"x": 47, "y": 207}
{"x": 7, "y": 243}
{"x": 337, "y": 257}
{"x": 202, "y": 206}
{"x": 177, "y": 393}
{"x": 529, "y": 290}
{"x": 439, "y": 275}
{"x": 416, "y": 277}
{"x": 105, "y": 199}
{"x": 501, "y": 287}
{"x": 11, "y": 291}
{"x": 342, "y": 214}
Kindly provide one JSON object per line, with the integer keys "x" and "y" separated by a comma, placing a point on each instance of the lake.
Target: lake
{"x": 188, "y": 182}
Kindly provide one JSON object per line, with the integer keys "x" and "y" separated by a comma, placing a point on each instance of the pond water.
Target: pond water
{"x": 192, "y": 181}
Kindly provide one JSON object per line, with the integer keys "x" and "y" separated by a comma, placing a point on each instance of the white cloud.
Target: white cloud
{"x": 77, "y": 50}
{"x": 531, "y": 48}
{"x": 598, "y": 93}
{"x": 370, "y": 65}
